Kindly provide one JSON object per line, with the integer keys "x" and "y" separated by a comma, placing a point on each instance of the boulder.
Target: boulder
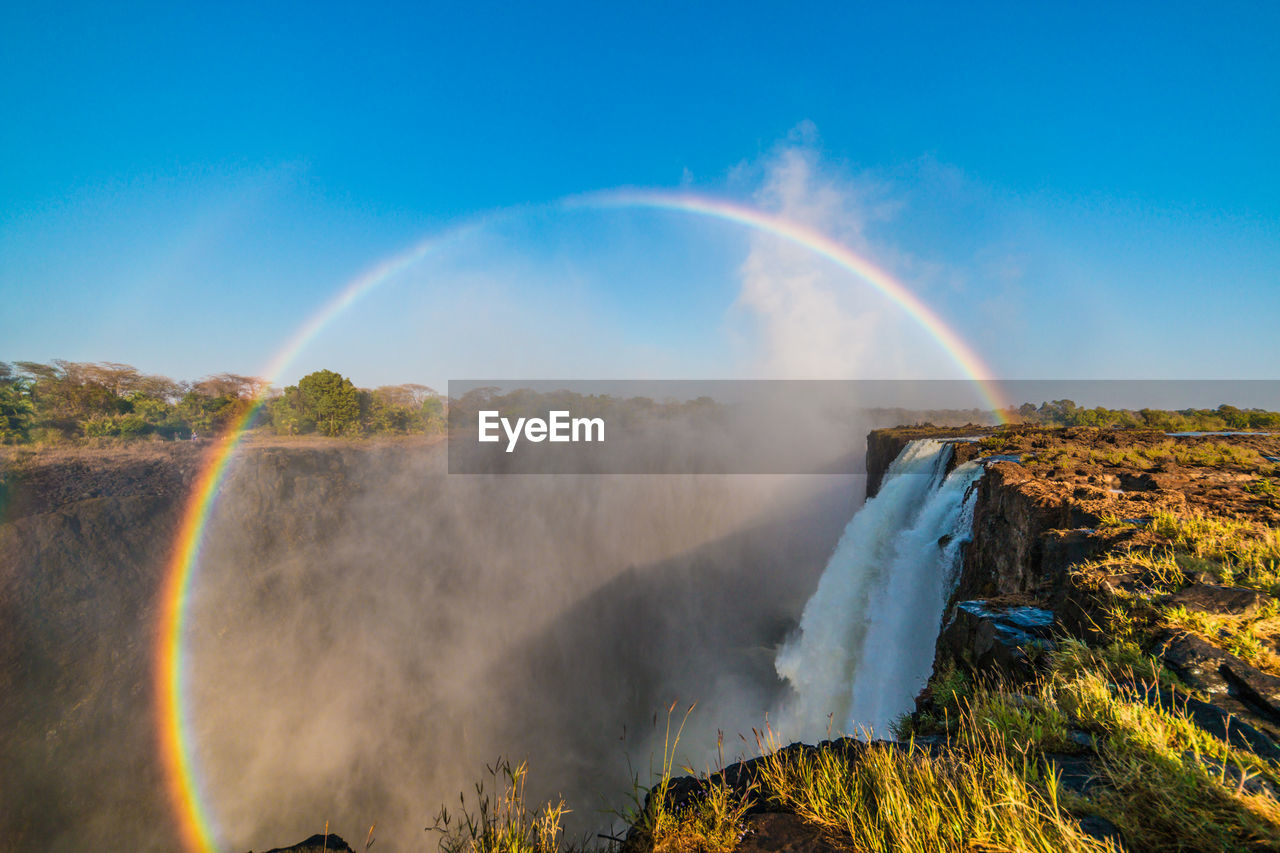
{"x": 317, "y": 843}
{"x": 1253, "y": 685}
{"x": 1215, "y": 672}
{"x": 1196, "y": 661}
{"x": 1102, "y": 829}
{"x": 1137, "y": 482}
{"x": 984, "y": 636}
{"x": 1221, "y": 600}
{"x": 1223, "y": 725}
{"x": 779, "y": 832}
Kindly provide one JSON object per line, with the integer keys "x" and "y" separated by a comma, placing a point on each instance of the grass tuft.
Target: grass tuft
{"x": 712, "y": 821}
{"x": 499, "y": 821}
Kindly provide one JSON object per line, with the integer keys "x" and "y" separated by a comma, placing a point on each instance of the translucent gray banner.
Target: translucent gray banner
{"x": 784, "y": 426}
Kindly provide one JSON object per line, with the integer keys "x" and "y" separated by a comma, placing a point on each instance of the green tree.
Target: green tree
{"x": 331, "y": 401}
{"x": 409, "y": 408}
{"x": 288, "y": 414}
{"x": 16, "y": 409}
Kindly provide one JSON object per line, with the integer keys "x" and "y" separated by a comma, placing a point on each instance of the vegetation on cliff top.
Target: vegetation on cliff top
{"x": 1065, "y": 413}
{"x": 65, "y": 400}
{"x": 70, "y": 400}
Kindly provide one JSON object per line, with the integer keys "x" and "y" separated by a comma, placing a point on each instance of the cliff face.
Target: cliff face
{"x": 884, "y": 445}
{"x": 85, "y": 537}
{"x": 1068, "y": 534}
{"x": 1026, "y": 534}
{"x": 365, "y": 631}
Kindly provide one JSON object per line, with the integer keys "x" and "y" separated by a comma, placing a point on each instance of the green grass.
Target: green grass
{"x": 1230, "y": 551}
{"x": 1165, "y": 779}
{"x": 711, "y": 823}
{"x": 1197, "y": 454}
{"x": 1249, "y": 637}
{"x": 996, "y": 785}
{"x": 1266, "y": 490}
{"x": 976, "y": 796}
{"x": 1143, "y": 457}
{"x": 1165, "y": 782}
{"x": 1246, "y": 553}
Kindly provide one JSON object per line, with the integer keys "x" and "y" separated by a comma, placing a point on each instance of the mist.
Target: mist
{"x": 364, "y": 642}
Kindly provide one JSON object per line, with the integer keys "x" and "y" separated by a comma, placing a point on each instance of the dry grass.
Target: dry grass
{"x": 712, "y": 822}
{"x": 499, "y": 821}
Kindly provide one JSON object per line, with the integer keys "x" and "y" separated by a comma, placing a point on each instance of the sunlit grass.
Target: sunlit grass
{"x": 994, "y": 783}
{"x": 1249, "y": 637}
{"x": 973, "y": 796}
{"x": 711, "y": 822}
{"x": 1164, "y": 781}
{"x": 1248, "y": 553}
{"x": 1143, "y": 457}
{"x": 499, "y": 820}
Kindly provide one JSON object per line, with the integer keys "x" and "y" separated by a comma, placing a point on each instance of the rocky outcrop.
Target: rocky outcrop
{"x": 884, "y": 445}
{"x": 1064, "y": 525}
{"x": 1036, "y": 525}
{"x": 780, "y": 832}
{"x": 1220, "y": 600}
{"x": 317, "y": 843}
{"x": 1026, "y": 533}
{"x": 985, "y": 635}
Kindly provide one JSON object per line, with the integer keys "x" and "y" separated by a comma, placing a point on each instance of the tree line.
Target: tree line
{"x": 1067, "y": 413}
{"x": 69, "y": 400}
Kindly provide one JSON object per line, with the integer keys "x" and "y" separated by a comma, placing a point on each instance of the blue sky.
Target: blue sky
{"x": 1083, "y": 191}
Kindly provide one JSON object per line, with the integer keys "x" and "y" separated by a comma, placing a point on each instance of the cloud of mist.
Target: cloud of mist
{"x": 369, "y": 632}
{"x": 813, "y": 319}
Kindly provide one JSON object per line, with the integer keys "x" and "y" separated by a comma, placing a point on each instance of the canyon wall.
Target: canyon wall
{"x": 366, "y": 632}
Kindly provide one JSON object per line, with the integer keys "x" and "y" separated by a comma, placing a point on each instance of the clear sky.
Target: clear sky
{"x": 1079, "y": 190}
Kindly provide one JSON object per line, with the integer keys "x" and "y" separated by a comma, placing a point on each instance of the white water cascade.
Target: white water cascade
{"x": 864, "y": 647}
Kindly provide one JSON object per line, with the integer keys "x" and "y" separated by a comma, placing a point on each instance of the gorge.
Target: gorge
{"x": 370, "y": 632}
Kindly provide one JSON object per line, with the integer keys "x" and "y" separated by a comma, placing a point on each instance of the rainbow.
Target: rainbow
{"x": 822, "y": 245}
{"x": 177, "y": 748}
{"x": 177, "y": 752}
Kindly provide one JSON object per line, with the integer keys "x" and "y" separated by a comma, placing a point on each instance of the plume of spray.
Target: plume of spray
{"x": 371, "y": 632}
{"x": 814, "y": 320}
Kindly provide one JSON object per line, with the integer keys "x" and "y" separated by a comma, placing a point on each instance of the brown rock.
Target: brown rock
{"x": 1253, "y": 684}
{"x": 1132, "y": 482}
{"x": 776, "y": 832}
{"x": 1197, "y": 661}
{"x": 1223, "y": 600}
{"x": 1128, "y": 582}
{"x": 316, "y": 844}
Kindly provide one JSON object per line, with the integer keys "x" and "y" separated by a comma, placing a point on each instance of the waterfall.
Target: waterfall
{"x": 864, "y": 647}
